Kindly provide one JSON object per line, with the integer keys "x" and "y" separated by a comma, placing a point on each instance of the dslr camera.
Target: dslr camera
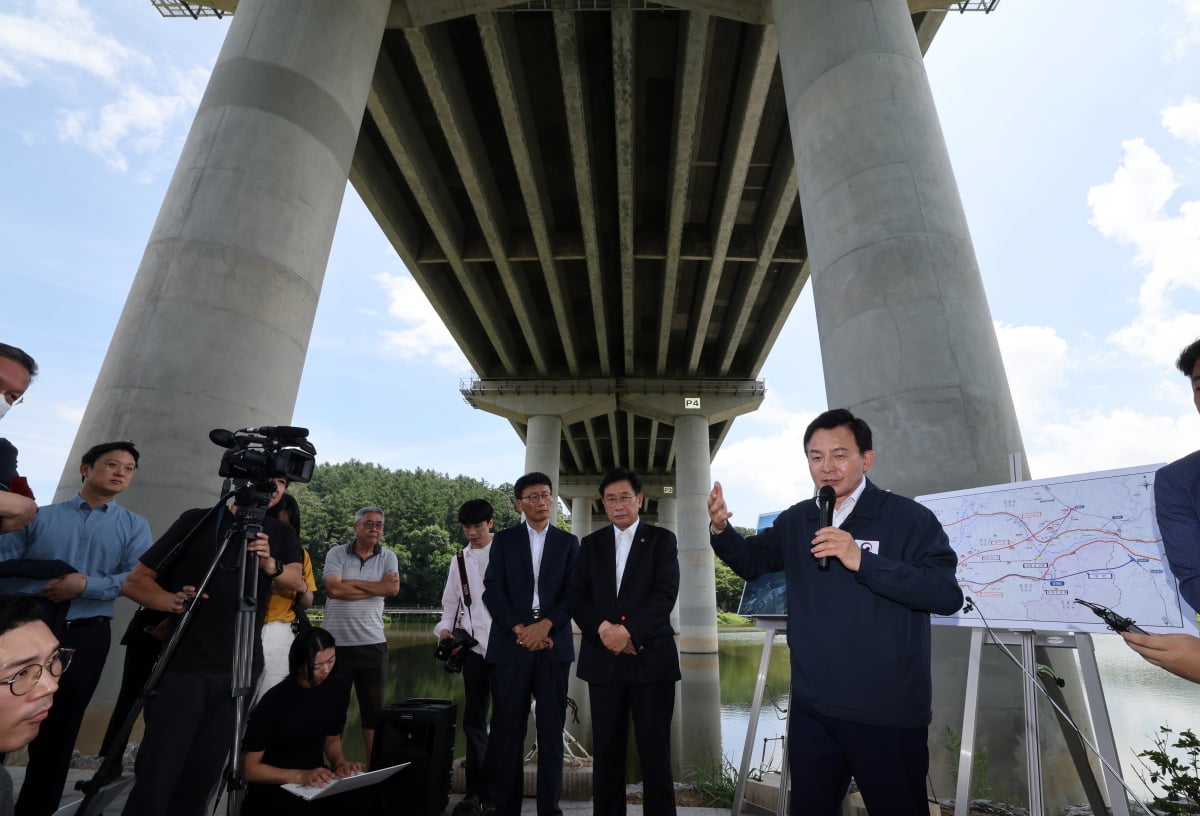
{"x": 452, "y": 662}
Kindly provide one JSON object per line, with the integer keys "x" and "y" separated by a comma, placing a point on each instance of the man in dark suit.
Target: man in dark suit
{"x": 622, "y": 593}
{"x": 525, "y": 590}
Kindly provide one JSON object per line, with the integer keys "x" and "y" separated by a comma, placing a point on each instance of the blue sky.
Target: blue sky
{"x": 1074, "y": 130}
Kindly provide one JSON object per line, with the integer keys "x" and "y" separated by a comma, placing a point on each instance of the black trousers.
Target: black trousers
{"x": 889, "y": 764}
{"x": 478, "y": 680}
{"x": 141, "y": 653}
{"x": 652, "y": 706}
{"x": 532, "y": 675}
{"x": 189, "y": 728}
{"x": 50, "y": 752}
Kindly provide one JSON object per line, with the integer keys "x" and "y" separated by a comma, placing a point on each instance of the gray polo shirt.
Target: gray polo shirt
{"x": 357, "y": 623}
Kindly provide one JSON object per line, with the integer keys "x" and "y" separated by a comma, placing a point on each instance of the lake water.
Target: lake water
{"x": 713, "y": 707}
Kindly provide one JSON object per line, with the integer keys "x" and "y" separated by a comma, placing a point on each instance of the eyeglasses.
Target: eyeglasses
{"x": 535, "y": 498}
{"x": 371, "y": 525}
{"x": 614, "y": 501}
{"x": 27, "y": 678}
{"x": 114, "y": 466}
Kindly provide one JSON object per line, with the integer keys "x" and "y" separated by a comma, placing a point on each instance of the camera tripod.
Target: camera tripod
{"x": 251, "y": 503}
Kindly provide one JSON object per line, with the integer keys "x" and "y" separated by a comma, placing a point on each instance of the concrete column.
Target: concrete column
{"x": 668, "y": 519}
{"x": 581, "y": 516}
{"x": 542, "y": 446}
{"x": 906, "y": 335}
{"x": 217, "y": 322}
{"x": 666, "y": 515}
{"x": 698, "y": 596}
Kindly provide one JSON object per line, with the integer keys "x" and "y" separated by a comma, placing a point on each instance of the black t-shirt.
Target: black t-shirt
{"x": 291, "y": 723}
{"x": 207, "y": 646}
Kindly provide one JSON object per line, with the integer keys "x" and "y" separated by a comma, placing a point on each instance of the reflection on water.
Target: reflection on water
{"x": 713, "y": 704}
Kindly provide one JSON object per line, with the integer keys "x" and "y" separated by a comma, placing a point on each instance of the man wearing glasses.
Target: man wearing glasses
{"x": 30, "y": 664}
{"x": 525, "y": 590}
{"x": 17, "y": 507}
{"x": 97, "y": 543}
{"x": 357, "y": 578}
{"x": 622, "y": 592}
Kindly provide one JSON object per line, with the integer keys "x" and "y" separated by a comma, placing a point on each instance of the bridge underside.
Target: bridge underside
{"x": 604, "y": 195}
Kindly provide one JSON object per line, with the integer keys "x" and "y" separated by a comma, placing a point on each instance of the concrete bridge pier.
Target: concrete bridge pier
{"x": 542, "y": 446}
{"x": 217, "y": 323}
{"x": 906, "y": 336}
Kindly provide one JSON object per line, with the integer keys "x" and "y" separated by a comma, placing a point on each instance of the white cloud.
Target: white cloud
{"x": 769, "y": 471}
{"x": 1036, "y": 360}
{"x": 424, "y": 336}
{"x": 69, "y": 412}
{"x": 137, "y": 121}
{"x": 1183, "y": 121}
{"x": 1131, "y": 209}
{"x": 1187, "y": 33}
{"x": 56, "y": 34}
{"x": 1105, "y": 440}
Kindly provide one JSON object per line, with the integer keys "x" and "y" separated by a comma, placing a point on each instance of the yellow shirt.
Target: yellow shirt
{"x": 279, "y": 605}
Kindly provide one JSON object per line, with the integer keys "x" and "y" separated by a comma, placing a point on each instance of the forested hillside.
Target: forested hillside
{"x": 421, "y": 512}
{"x": 421, "y": 523}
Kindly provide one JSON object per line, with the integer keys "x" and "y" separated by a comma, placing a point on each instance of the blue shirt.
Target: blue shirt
{"x": 101, "y": 542}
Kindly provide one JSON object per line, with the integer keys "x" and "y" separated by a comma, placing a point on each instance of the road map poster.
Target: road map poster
{"x": 1028, "y": 550}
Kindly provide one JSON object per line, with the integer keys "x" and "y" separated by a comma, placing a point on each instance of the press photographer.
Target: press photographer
{"x": 462, "y": 642}
{"x": 191, "y": 718}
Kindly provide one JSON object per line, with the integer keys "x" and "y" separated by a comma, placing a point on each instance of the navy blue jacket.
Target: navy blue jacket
{"x": 1177, "y": 506}
{"x": 508, "y": 591}
{"x": 859, "y": 641}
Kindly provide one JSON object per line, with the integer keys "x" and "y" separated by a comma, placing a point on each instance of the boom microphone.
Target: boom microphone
{"x": 280, "y": 431}
{"x": 825, "y": 501}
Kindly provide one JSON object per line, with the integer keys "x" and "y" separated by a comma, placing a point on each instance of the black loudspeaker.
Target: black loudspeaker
{"x": 419, "y": 731}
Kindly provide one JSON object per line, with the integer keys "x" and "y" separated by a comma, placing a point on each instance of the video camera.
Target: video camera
{"x": 257, "y": 454}
{"x": 446, "y": 646}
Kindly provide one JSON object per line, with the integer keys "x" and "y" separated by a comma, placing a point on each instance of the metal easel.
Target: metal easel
{"x": 773, "y": 626}
{"x": 1031, "y": 642}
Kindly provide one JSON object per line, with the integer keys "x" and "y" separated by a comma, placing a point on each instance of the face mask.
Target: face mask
{"x": 4, "y": 406}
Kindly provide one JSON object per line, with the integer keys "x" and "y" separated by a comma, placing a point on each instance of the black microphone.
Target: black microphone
{"x": 279, "y": 431}
{"x": 825, "y": 501}
{"x": 222, "y": 437}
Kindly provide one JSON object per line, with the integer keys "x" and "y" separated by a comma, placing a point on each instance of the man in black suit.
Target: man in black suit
{"x": 530, "y": 643}
{"x": 622, "y": 593}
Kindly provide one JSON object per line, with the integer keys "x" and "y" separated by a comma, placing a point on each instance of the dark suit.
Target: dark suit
{"x": 642, "y": 684}
{"x": 522, "y": 674}
{"x": 1177, "y": 506}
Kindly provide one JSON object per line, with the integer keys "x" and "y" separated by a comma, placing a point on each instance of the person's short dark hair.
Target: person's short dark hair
{"x": 837, "y": 418}
{"x": 303, "y": 653}
{"x": 476, "y": 511}
{"x": 18, "y": 610}
{"x": 530, "y": 480}
{"x": 288, "y": 504}
{"x": 1188, "y": 357}
{"x": 620, "y": 474}
{"x": 96, "y": 451}
{"x": 20, "y": 358}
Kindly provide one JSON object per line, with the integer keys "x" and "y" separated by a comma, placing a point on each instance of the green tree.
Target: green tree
{"x": 729, "y": 587}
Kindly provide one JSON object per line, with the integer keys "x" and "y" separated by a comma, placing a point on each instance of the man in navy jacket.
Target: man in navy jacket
{"x": 1177, "y": 507}
{"x": 525, "y": 590}
{"x": 622, "y": 593}
{"x": 858, "y": 632}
